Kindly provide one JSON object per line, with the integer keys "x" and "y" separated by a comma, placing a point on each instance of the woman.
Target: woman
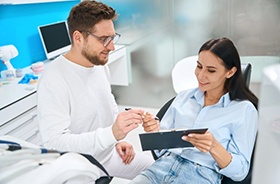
{"x": 224, "y": 105}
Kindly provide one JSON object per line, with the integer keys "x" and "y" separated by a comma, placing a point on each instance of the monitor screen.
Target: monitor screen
{"x": 55, "y": 39}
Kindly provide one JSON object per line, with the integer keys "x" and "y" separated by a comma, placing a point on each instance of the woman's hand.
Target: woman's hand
{"x": 150, "y": 122}
{"x": 207, "y": 143}
{"x": 125, "y": 151}
{"x": 203, "y": 142}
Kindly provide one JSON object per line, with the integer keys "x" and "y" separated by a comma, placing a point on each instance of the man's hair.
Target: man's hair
{"x": 86, "y": 14}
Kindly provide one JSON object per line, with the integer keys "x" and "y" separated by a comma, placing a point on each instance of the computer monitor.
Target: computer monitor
{"x": 266, "y": 167}
{"x": 55, "y": 39}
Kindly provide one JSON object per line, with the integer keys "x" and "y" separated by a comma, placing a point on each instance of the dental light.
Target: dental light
{"x": 8, "y": 52}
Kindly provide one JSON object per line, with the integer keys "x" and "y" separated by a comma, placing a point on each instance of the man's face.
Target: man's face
{"x": 93, "y": 48}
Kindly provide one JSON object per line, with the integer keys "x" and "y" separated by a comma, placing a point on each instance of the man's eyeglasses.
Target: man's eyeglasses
{"x": 105, "y": 40}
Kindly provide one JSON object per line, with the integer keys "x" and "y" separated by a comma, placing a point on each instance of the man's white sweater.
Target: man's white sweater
{"x": 76, "y": 108}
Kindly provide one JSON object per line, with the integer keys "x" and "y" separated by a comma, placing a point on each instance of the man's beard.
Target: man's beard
{"x": 93, "y": 58}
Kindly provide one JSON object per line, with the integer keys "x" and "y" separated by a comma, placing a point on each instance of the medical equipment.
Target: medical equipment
{"x": 25, "y": 163}
{"x": 8, "y": 52}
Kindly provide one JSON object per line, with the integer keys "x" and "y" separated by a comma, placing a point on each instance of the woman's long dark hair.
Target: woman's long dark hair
{"x": 236, "y": 86}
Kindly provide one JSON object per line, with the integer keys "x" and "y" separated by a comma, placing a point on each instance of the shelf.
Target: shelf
{"x": 15, "y": 2}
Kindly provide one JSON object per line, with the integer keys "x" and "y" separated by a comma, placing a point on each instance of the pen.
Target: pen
{"x": 128, "y": 108}
{"x": 144, "y": 114}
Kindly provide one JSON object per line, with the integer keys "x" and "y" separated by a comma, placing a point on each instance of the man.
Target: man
{"x": 76, "y": 109}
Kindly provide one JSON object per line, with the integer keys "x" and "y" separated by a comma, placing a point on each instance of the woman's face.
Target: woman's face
{"x": 211, "y": 74}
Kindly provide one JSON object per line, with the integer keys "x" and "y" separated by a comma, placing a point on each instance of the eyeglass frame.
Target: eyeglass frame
{"x": 106, "y": 40}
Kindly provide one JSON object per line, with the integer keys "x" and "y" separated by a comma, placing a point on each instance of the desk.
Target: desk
{"x": 18, "y": 102}
{"x": 18, "y": 111}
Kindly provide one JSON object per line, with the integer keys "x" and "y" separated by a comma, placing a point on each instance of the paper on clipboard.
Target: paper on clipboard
{"x": 167, "y": 139}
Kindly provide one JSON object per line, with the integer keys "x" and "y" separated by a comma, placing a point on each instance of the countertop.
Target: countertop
{"x": 11, "y": 91}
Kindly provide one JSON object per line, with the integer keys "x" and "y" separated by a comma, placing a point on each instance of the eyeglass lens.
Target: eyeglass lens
{"x": 110, "y": 39}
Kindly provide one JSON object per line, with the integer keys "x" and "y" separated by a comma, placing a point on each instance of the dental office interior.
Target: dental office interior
{"x": 155, "y": 36}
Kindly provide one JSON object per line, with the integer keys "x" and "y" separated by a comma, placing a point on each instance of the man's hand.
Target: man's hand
{"x": 150, "y": 123}
{"x": 125, "y": 122}
{"x": 125, "y": 151}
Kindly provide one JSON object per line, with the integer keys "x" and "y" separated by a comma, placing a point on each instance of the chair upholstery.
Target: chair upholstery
{"x": 183, "y": 76}
{"x": 103, "y": 180}
{"x": 246, "y": 71}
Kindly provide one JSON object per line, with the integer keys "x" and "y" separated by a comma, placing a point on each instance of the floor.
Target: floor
{"x": 133, "y": 138}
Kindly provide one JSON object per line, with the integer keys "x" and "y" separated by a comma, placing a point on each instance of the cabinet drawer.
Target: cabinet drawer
{"x": 24, "y": 127}
{"x": 35, "y": 139}
{"x": 17, "y": 108}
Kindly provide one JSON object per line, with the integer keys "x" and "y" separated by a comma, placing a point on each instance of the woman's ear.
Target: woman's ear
{"x": 231, "y": 72}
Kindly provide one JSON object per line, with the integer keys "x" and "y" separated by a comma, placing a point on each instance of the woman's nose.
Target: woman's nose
{"x": 200, "y": 74}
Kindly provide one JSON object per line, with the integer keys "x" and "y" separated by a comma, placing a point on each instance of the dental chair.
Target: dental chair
{"x": 183, "y": 78}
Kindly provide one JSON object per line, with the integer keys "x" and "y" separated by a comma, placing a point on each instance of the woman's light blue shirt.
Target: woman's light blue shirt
{"x": 232, "y": 123}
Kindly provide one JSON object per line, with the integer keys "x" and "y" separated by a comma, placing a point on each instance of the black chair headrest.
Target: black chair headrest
{"x": 246, "y": 71}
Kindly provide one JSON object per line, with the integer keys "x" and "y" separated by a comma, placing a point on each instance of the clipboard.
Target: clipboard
{"x": 167, "y": 139}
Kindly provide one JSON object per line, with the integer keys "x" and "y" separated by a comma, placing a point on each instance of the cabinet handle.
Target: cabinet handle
{"x": 22, "y": 124}
{"x": 32, "y": 117}
{"x": 34, "y": 139}
{"x": 28, "y": 120}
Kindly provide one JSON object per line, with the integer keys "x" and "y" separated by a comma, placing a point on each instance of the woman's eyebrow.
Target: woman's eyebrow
{"x": 213, "y": 67}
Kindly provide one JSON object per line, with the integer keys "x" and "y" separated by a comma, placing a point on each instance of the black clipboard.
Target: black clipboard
{"x": 167, "y": 139}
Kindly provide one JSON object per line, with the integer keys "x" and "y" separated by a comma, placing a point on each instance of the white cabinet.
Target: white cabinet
{"x": 24, "y": 127}
{"x": 18, "y": 116}
{"x": 118, "y": 65}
